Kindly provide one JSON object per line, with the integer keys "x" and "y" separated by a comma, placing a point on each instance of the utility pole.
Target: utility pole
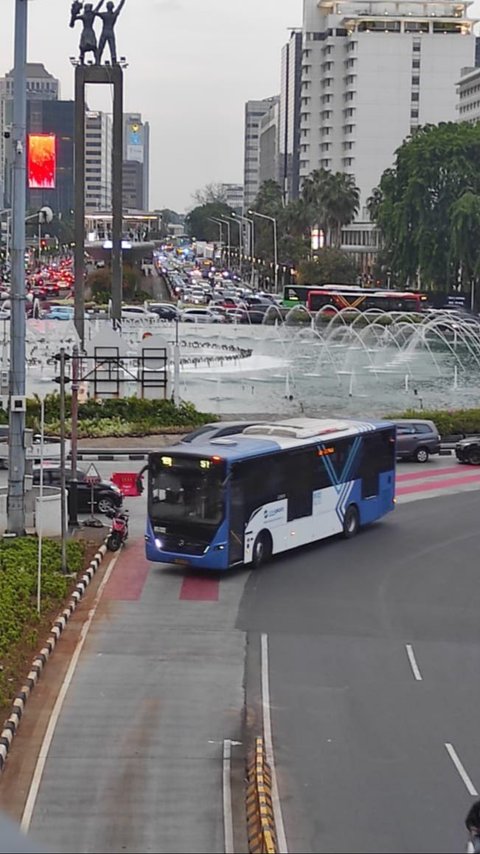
{"x": 17, "y": 454}
{"x": 73, "y": 497}
{"x": 62, "y": 380}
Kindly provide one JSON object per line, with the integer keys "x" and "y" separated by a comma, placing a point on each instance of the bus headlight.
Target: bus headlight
{"x": 158, "y": 543}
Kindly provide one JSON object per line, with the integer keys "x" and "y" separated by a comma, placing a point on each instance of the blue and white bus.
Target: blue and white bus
{"x": 240, "y": 499}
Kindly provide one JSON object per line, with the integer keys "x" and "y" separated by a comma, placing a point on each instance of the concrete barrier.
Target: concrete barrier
{"x": 261, "y": 834}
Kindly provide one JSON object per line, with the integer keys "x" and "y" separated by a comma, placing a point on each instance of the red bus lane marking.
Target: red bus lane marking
{"x": 423, "y": 475}
{"x": 438, "y": 484}
{"x": 200, "y": 589}
{"x": 127, "y": 582}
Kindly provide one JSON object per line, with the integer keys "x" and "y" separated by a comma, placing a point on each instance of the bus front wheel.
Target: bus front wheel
{"x": 351, "y": 522}
{"x": 262, "y": 549}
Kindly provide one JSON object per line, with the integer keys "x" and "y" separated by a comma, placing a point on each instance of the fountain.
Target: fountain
{"x": 335, "y": 359}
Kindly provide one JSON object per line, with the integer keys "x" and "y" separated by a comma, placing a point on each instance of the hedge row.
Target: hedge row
{"x": 450, "y": 422}
{"x": 18, "y": 592}
{"x": 128, "y": 416}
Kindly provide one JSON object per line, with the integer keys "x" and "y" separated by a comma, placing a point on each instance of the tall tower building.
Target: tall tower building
{"x": 290, "y": 94}
{"x": 41, "y": 86}
{"x": 98, "y": 162}
{"x": 254, "y": 112}
{"x": 136, "y": 162}
{"x": 270, "y": 144}
{"x": 372, "y": 73}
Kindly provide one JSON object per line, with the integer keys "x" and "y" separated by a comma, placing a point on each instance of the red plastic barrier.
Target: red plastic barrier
{"x": 127, "y": 483}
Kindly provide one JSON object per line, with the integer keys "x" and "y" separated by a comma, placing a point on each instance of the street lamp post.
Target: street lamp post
{"x": 275, "y": 244}
{"x": 217, "y": 222}
{"x": 229, "y": 245}
{"x": 17, "y": 455}
{"x": 252, "y": 241}
{"x": 232, "y": 219}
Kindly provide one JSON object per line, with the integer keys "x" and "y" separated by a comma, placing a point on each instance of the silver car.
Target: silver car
{"x": 200, "y": 315}
{"x": 416, "y": 439}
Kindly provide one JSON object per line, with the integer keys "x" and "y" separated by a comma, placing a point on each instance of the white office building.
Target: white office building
{"x": 254, "y": 112}
{"x": 373, "y": 71}
{"x": 468, "y": 92}
{"x": 233, "y": 194}
{"x": 98, "y": 162}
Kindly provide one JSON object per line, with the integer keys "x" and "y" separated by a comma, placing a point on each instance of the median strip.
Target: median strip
{"x": 260, "y": 821}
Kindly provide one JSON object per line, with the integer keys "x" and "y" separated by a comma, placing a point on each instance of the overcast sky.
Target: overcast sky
{"x": 192, "y": 65}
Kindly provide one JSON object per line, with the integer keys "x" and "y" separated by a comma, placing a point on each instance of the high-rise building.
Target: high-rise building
{"x": 133, "y": 185}
{"x": 290, "y": 95}
{"x": 254, "y": 112}
{"x": 136, "y": 149}
{"x": 233, "y": 196}
{"x": 98, "y": 162}
{"x": 468, "y": 92}
{"x": 372, "y": 74}
{"x": 41, "y": 86}
{"x": 269, "y": 158}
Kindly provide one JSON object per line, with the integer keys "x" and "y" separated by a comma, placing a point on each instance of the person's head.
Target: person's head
{"x": 88, "y": 7}
{"x": 110, "y": 6}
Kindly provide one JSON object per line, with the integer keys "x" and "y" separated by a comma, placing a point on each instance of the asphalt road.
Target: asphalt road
{"x": 359, "y": 742}
{"x": 135, "y": 760}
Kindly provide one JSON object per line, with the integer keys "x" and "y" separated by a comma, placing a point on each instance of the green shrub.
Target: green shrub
{"x": 18, "y": 591}
{"x": 448, "y": 421}
{"x": 128, "y": 416}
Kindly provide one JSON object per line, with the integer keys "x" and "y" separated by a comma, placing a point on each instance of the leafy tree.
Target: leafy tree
{"x": 198, "y": 222}
{"x": 211, "y": 194}
{"x": 426, "y": 205}
{"x": 465, "y": 224}
{"x": 269, "y": 199}
{"x": 330, "y": 265}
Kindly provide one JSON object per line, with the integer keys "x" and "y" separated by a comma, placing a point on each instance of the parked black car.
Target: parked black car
{"x": 468, "y": 450}
{"x": 106, "y": 495}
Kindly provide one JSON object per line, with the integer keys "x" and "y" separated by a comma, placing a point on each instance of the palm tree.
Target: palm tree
{"x": 341, "y": 201}
{"x": 373, "y": 203}
{"x": 333, "y": 199}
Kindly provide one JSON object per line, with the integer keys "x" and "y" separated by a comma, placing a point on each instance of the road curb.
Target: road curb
{"x": 11, "y": 725}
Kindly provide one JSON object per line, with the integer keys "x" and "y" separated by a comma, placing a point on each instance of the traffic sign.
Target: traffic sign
{"x": 92, "y": 475}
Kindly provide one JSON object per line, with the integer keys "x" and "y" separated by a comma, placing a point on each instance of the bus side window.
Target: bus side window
{"x": 341, "y": 458}
{"x": 299, "y": 471}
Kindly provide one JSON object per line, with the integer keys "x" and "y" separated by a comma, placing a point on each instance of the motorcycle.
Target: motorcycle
{"x": 119, "y": 530}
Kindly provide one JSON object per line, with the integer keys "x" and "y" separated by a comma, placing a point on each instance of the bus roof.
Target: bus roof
{"x": 278, "y": 435}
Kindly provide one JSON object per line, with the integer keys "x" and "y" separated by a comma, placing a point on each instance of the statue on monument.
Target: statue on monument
{"x": 109, "y": 19}
{"x": 88, "y": 40}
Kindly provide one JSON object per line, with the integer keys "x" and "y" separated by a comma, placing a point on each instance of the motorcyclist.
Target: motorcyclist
{"x": 472, "y": 822}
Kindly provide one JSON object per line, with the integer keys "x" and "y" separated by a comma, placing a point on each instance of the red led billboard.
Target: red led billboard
{"x": 41, "y": 161}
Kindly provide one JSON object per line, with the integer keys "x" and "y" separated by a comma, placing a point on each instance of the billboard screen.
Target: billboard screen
{"x": 41, "y": 161}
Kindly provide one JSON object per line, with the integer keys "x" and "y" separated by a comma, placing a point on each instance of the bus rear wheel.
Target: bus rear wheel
{"x": 262, "y": 549}
{"x": 351, "y": 522}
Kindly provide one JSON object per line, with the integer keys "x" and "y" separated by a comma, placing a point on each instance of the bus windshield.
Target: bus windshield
{"x": 186, "y": 492}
